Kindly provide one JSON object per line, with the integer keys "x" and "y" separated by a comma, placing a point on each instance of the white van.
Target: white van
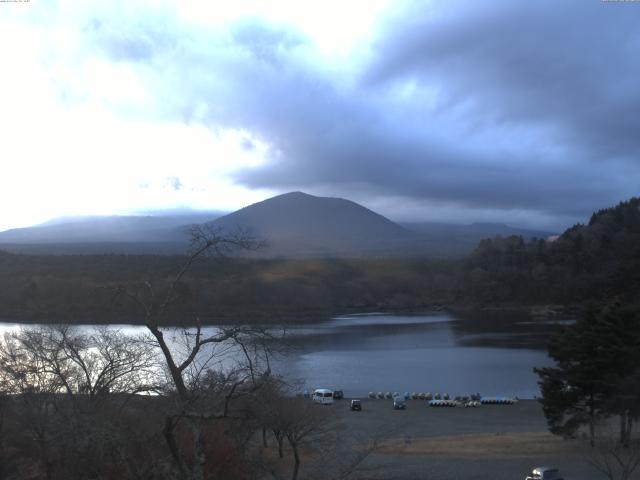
{"x": 323, "y": 396}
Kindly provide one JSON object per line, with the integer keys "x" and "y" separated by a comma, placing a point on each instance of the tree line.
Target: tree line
{"x": 598, "y": 261}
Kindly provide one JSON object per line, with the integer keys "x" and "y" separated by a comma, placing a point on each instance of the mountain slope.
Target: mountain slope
{"x": 295, "y": 225}
{"x": 599, "y": 261}
{"x": 120, "y": 229}
{"x": 299, "y": 224}
{"x": 457, "y": 240}
{"x": 473, "y": 230}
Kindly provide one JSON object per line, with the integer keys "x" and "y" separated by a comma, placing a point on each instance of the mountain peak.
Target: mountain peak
{"x": 296, "y": 194}
{"x": 297, "y": 223}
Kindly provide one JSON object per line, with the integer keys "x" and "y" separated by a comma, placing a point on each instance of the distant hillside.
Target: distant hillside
{"x": 294, "y": 225}
{"x": 120, "y": 234}
{"x": 456, "y": 240}
{"x": 596, "y": 261}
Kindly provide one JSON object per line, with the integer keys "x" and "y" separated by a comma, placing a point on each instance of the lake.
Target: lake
{"x": 493, "y": 354}
{"x": 490, "y": 353}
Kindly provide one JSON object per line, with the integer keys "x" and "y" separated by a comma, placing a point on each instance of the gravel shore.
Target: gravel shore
{"x": 488, "y": 442}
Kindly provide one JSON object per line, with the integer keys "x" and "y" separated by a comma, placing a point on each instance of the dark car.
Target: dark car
{"x": 338, "y": 394}
{"x": 356, "y": 405}
{"x": 544, "y": 473}
{"x": 399, "y": 403}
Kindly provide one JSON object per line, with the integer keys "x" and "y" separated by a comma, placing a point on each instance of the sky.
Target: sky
{"x": 521, "y": 112}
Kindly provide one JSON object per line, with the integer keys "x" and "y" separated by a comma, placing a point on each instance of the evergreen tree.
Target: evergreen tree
{"x": 597, "y": 373}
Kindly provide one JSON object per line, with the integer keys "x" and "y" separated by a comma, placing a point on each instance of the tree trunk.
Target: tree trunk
{"x": 280, "y": 442}
{"x": 44, "y": 456}
{"x": 624, "y": 436}
{"x": 175, "y": 372}
{"x": 592, "y": 423}
{"x": 167, "y": 431}
{"x": 199, "y": 457}
{"x": 296, "y": 461}
{"x": 48, "y": 470}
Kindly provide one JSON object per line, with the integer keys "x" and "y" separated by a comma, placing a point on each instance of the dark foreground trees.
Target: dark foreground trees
{"x": 73, "y": 393}
{"x": 201, "y": 388}
{"x": 614, "y": 460}
{"x": 64, "y": 393}
{"x": 53, "y": 427}
{"x": 597, "y": 374}
{"x": 186, "y": 403}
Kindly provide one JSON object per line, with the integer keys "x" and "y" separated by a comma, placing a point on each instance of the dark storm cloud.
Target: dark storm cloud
{"x": 485, "y": 105}
{"x": 542, "y": 107}
{"x": 534, "y": 110}
{"x": 573, "y": 64}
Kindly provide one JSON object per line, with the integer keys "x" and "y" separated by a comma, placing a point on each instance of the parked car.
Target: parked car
{"x": 356, "y": 405}
{"x": 338, "y": 394}
{"x": 322, "y": 396}
{"x": 399, "y": 403}
{"x": 544, "y": 473}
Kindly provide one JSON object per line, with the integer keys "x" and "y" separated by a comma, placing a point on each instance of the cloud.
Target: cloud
{"x": 566, "y": 65}
{"x": 498, "y": 107}
{"x": 174, "y": 183}
{"x": 493, "y": 106}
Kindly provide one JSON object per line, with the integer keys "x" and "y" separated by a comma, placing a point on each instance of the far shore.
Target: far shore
{"x": 538, "y": 311}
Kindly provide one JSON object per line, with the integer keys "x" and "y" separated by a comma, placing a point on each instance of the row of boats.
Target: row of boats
{"x": 444, "y": 400}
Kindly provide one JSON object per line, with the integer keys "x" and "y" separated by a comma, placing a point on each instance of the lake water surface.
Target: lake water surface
{"x": 491, "y": 353}
{"x": 434, "y": 352}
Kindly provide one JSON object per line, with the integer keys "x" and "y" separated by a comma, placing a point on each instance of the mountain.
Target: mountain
{"x": 293, "y": 225}
{"x": 299, "y": 225}
{"x": 97, "y": 234}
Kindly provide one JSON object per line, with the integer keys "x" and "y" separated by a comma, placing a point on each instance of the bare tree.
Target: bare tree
{"x": 63, "y": 382}
{"x": 27, "y": 377}
{"x": 344, "y": 453}
{"x": 271, "y": 412}
{"x": 614, "y": 460}
{"x": 84, "y": 365}
{"x": 190, "y": 353}
{"x": 300, "y": 420}
{"x": 5, "y": 456}
{"x": 256, "y": 362}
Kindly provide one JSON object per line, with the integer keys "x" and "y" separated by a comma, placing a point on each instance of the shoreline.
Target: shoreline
{"x": 535, "y": 311}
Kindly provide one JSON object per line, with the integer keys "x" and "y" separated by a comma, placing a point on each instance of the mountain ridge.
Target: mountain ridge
{"x": 294, "y": 224}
